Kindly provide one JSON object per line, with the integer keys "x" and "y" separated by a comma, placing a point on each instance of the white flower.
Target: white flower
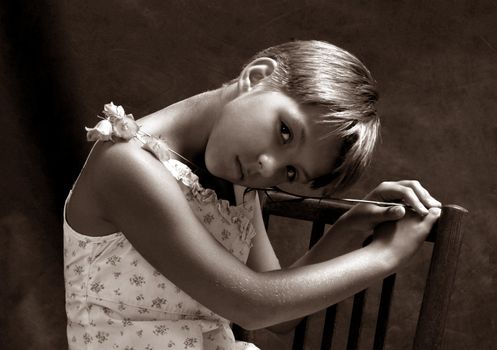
{"x": 125, "y": 127}
{"x": 101, "y": 131}
{"x": 113, "y": 111}
{"x": 158, "y": 147}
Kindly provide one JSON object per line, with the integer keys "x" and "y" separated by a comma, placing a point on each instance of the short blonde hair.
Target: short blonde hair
{"x": 320, "y": 74}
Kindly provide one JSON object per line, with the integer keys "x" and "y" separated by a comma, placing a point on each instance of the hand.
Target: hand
{"x": 402, "y": 238}
{"x": 361, "y": 219}
{"x": 409, "y": 192}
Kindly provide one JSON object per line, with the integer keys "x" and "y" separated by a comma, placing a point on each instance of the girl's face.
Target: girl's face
{"x": 265, "y": 138}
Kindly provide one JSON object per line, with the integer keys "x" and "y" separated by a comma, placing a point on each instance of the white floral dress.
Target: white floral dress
{"x": 116, "y": 300}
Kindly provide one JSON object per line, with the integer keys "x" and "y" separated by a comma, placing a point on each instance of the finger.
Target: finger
{"x": 375, "y": 214}
{"x": 413, "y": 194}
{"x": 433, "y": 215}
{"x": 396, "y": 213}
{"x": 394, "y": 191}
{"x": 424, "y": 196}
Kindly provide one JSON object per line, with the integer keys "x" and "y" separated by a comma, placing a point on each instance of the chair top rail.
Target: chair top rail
{"x": 323, "y": 210}
{"x": 311, "y": 209}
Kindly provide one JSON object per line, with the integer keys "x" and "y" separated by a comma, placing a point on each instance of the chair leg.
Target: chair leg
{"x": 299, "y": 337}
{"x": 383, "y": 312}
{"x": 329, "y": 327}
{"x": 436, "y": 298}
{"x": 356, "y": 320}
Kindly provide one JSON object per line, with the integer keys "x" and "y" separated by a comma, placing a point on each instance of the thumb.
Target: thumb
{"x": 433, "y": 215}
{"x": 382, "y": 214}
{"x": 397, "y": 211}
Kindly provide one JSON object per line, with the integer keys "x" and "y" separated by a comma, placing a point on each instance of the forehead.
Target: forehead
{"x": 312, "y": 116}
{"x": 317, "y": 157}
{"x": 320, "y": 144}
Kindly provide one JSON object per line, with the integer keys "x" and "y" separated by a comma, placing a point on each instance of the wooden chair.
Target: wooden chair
{"x": 446, "y": 237}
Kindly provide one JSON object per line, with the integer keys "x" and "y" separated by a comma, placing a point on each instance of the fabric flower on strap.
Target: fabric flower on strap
{"x": 101, "y": 131}
{"x": 119, "y": 126}
{"x": 157, "y": 147}
{"x": 116, "y": 123}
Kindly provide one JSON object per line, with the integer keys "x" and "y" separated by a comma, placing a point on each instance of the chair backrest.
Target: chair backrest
{"x": 446, "y": 237}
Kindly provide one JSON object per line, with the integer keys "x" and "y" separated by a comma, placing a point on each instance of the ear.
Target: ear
{"x": 255, "y": 72}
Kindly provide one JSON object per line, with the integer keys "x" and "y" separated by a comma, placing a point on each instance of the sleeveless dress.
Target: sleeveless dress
{"x": 116, "y": 300}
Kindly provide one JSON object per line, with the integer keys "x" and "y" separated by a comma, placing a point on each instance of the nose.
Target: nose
{"x": 268, "y": 165}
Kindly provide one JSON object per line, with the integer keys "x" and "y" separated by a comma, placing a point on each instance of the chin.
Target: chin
{"x": 211, "y": 168}
{"x": 218, "y": 173}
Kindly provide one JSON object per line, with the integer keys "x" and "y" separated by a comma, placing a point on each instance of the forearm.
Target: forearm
{"x": 303, "y": 290}
{"x": 352, "y": 228}
{"x": 335, "y": 242}
{"x": 331, "y": 245}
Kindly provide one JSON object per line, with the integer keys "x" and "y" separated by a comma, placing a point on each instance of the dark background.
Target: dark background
{"x": 60, "y": 61}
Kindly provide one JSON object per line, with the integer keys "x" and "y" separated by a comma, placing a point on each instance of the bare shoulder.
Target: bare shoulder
{"x": 126, "y": 174}
{"x": 116, "y": 174}
{"x": 120, "y": 162}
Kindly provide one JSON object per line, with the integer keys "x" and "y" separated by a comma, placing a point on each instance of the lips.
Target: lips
{"x": 240, "y": 168}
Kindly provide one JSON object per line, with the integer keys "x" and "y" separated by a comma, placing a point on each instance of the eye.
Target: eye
{"x": 291, "y": 173}
{"x": 286, "y": 134}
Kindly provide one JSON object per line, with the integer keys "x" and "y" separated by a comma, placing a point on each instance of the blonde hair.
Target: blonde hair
{"x": 320, "y": 74}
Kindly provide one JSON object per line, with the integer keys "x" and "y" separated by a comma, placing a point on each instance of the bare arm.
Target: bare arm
{"x": 141, "y": 198}
{"x": 262, "y": 256}
{"x": 351, "y": 229}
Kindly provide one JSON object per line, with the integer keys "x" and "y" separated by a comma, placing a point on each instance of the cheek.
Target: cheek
{"x": 214, "y": 156}
{"x": 222, "y": 147}
{"x": 247, "y": 117}
{"x": 241, "y": 133}
{"x": 242, "y": 130}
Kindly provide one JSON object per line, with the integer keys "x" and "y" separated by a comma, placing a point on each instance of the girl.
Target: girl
{"x": 164, "y": 246}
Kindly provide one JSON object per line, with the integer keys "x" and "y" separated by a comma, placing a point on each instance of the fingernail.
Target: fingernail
{"x": 435, "y": 211}
{"x": 397, "y": 211}
{"x": 421, "y": 210}
{"x": 435, "y": 203}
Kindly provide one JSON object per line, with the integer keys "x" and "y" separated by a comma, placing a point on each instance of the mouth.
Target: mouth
{"x": 240, "y": 168}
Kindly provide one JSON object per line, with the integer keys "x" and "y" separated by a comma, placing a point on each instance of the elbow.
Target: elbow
{"x": 269, "y": 320}
{"x": 250, "y": 320}
{"x": 256, "y": 314}
{"x": 258, "y": 305}
{"x": 257, "y": 322}
{"x": 251, "y": 323}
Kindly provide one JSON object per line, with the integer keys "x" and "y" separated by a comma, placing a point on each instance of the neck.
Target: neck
{"x": 186, "y": 127}
{"x": 187, "y": 124}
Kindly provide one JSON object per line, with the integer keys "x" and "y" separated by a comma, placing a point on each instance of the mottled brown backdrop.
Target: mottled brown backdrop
{"x": 60, "y": 61}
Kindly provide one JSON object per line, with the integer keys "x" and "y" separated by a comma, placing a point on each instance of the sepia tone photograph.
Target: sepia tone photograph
{"x": 243, "y": 175}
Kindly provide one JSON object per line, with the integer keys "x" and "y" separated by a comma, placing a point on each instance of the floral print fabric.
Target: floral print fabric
{"x": 116, "y": 300}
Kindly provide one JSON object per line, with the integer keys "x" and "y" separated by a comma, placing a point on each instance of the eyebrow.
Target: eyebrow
{"x": 306, "y": 179}
{"x": 302, "y": 140}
